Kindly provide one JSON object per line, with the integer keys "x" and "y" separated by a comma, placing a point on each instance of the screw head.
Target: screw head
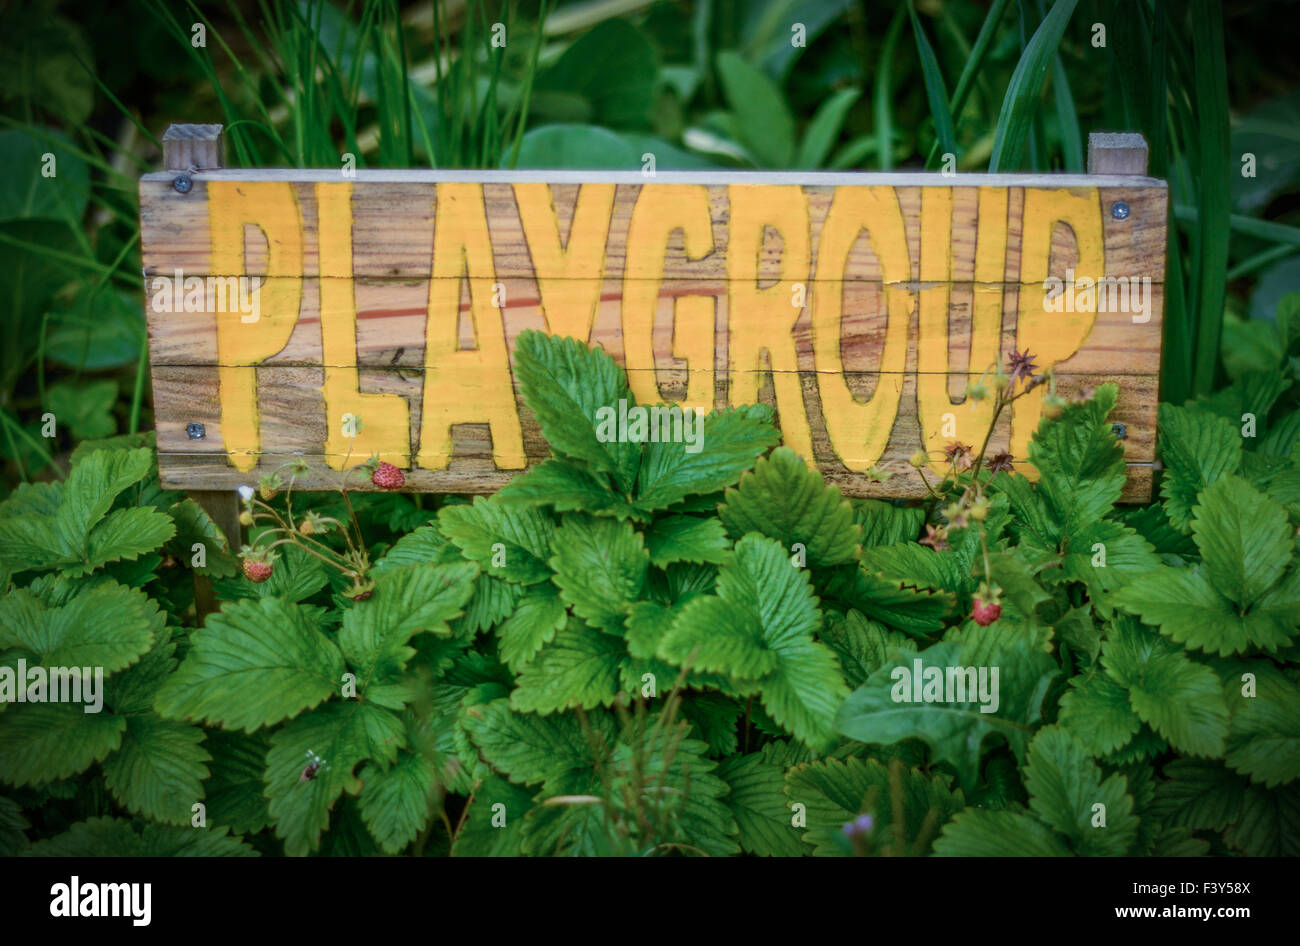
{"x": 1119, "y": 210}
{"x": 195, "y": 430}
{"x": 182, "y": 183}
{"x": 1119, "y": 430}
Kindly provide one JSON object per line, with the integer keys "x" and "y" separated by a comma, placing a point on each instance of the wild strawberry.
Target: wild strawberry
{"x": 985, "y": 614}
{"x": 387, "y": 476}
{"x": 256, "y": 570}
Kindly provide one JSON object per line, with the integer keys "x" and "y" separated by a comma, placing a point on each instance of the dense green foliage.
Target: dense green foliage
{"x": 635, "y": 649}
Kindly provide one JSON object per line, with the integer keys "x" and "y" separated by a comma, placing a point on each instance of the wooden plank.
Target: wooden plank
{"x": 859, "y": 306}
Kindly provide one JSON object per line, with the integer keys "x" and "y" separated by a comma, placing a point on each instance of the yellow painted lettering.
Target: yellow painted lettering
{"x": 472, "y": 385}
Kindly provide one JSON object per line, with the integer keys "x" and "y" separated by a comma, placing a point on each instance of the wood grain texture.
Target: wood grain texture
{"x": 859, "y": 306}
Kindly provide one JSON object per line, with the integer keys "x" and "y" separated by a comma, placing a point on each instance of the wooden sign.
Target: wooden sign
{"x": 283, "y": 303}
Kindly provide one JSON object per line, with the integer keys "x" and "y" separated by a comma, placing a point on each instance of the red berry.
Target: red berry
{"x": 257, "y": 571}
{"x": 387, "y": 476}
{"x": 985, "y": 614}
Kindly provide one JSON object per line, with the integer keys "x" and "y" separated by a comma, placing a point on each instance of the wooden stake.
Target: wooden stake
{"x": 188, "y": 149}
{"x": 1117, "y": 153}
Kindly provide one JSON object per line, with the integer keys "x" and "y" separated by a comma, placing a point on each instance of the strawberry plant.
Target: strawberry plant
{"x": 634, "y": 649}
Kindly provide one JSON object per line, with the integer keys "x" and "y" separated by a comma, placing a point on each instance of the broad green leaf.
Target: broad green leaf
{"x": 565, "y": 384}
{"x": 406, "y": 601}
{"x": 1264, "y": 732}
{"x": 233, "y": 793}
{"x": 92, "y": 486}
{"x": 761, "y": 113}
{"x": 527, "y": 748}
{"x": 489, "y": 831}
{"x": 883, "y": 523}
{"x": 978, "y": 832}
{"x": 686, "y": 539}
{"x": 567, "y": 488}
{"x": 124, "y": 534}
{"x": 398, "y": 801}
{"x": 508, "y": 542}
{"x": 600, "y": 568}
{"x": 1244, "y": 538}
{"x": 759, "y": 628}
{"x": 862, "y": 645}
{"x": 577, "y": 669}
{"x": 783, "y": 499}
{"x": 731, "y": 439}
{"x": 117, "y": 837}
{"x": 1079, "y": 461}
{"x": 159, "y": 769}
{"x": 107, "y": 625}
{"x": 341, "y": 735}
{"x": 758, "y": 803}
{"x": 423, "y": 546}
{"x": 1064, "y": 784}
{"x": 1097, "y": 712}
{"x": 254, "y": 664}
{"x": 1197, "y": 449}
{"x": 951, "y": 718}
{"x": 534, "y": 623}
{"x": 895, "y": 602}
{"x": 1178, "y": 698}
{"x": 41, "y": 742}
{"x": 824, "y": 128}
{"x": 195, "y": 526}
{"x": 836, "y": 791}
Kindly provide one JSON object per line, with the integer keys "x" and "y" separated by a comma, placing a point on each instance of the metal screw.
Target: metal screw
{"x": 1119, "y": 430}
{"x": 1119, "y": 210}
{"x": 182, "y": 183}
{"x": 195, "y": 430}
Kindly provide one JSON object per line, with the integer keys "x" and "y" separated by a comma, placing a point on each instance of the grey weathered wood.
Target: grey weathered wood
{"x": 192, "y": 146}
{"x": 1117, "y": 153}
{"x": 188, "y": 146}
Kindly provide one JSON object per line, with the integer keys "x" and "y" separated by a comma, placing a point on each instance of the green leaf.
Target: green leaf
{"x": 577, "y": 669}
{"x": 600, "y": 567}
{"x": 86, "y": 409}
{"x": 1064, "y": 784}
{"x": 406, "y": 601}
{"x": 884, "y": 711}
{"x": 862, "y": 645}
{"x": 529, "y": 749}
{"x": 1264, "y": 733}
{"x": 567, "y": 488}
{"x": 234, "y": 790}
{"x": 824, "y": 128}
{"x": 1244, "y": 538}
{"x": 896, "y": 602}
{"x": 612, "y": 71}
{"x": 783, "y": 499}
{"x": 1197, "y": 449}
{"x": 1269, "y": 824}
{"x": 512, "y": 543}
{"x": 158, "y": 770}
{"x": 757, "y": 802}
{"x": 254, "y": 664}
{"x": 1198, "y": 794}
{"x": 423, "y": 546}
{"x": 398, "y": 802}
{"x": 565, "y": 384}
{"x": 106, "y": 625}
{"x": 1020, "y": 105}
{"x": 194, "y": 525}
{"x": 41, "y": 742}
{"x": 759, "y": 629}
{"x": 978, "y": 832}
{"x": 836, "y": 791}
{"x": 489, "y": 831}
{"x": 1080, "y": 463}
{"x": 91, "y": 487}
{"x": 762, "y": 116}
{"x": 686, "y": 539}
{"x": 124, "y": 535}
{"x": 935, "y": 93}
{"x": 534, "y": 623}
{"x": 1097, "y": 712}
{"x": 1187, "y": 608}
{"x": 1179, "y": 699}
{"x": 116, "y": 837}
{"x": 580, "y": 147}
{"x": 342, "y": 736}
{"x": 884, "y": 523}
{"x": 731, "y": 438}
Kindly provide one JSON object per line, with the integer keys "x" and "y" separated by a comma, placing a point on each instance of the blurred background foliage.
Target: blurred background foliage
{"x": 1003, "y": 85}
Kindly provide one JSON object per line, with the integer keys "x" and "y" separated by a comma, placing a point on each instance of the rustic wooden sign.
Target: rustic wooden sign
{"x": 281, "y": 303}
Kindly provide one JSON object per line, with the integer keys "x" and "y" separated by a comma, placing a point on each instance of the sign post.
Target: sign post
{"x": 331, "y": 315}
